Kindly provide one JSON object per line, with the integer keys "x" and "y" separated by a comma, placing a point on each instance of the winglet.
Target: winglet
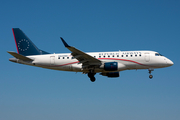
{"x": 65, "y": 44}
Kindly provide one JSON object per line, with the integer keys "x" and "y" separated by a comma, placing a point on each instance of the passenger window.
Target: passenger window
{"x": 121, "y": 55}
{"x": 126, "y": 55}
{"x": 113, "y": 56}
{"x": 72, "y": 58}
{"x": 58, "y": 57}
{"x": 140, "y": 55}
{"x": 63, "y": 57}
{"x": 67, "y": 57}
{"x": 99, "y": 56}
{"x": 117, "y": 55}
{"x": 108, "y": 56}
{"x": 135, "y": 55}
{"x": 94, "y": 56}
{"x": 131, "y": 55}
{"x": 104, "y": 56}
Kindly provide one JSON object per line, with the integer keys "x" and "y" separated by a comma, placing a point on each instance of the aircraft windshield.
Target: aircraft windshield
{"x": 157, "y": 54}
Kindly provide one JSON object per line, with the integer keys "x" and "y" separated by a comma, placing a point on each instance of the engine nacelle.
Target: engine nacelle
{"x": 111, "y": 66}
{"x": 111, "y": 74}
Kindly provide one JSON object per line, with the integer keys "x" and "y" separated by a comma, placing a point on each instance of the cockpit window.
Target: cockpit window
{"x": 157, "y": 54}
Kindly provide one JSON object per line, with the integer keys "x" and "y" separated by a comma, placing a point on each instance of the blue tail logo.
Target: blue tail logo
{"x": 24, "y": 45}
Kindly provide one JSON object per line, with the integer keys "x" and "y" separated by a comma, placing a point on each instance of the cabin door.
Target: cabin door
{"x": 52, "y": 59}
{"x": 147, "y": 57}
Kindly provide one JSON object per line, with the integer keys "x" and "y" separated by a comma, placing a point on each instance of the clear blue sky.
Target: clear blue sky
{"x": 30, "y": 93}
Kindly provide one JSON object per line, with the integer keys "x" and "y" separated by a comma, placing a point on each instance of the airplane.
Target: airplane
{"x": 108, "y": 64}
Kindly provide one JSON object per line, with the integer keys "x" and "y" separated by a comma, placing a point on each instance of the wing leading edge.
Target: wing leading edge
{"x": 86, "y": 60}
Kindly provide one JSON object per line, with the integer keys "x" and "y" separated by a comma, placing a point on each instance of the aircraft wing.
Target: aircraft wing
{"x": 85, "y": 59}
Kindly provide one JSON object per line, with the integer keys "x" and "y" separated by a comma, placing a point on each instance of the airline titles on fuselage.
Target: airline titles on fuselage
{"x": 123, "y": 53}
{"x": 109, "y": 53}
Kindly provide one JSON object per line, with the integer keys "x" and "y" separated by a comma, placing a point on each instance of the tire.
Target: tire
{"x": 150, "y": 76}
{"x": 93, "y": 79}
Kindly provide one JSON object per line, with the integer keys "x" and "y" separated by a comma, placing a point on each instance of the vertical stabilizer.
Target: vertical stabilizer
{"x": 24, "y": 45}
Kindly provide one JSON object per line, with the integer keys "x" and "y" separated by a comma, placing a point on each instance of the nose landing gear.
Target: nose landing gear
{"x": 150, "y": 76}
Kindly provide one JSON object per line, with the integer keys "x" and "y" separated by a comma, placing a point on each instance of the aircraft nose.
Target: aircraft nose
{"x": 169, "y": 62}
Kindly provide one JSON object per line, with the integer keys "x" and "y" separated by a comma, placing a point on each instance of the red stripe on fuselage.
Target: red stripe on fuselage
{"x": 68, "y": 63}
{"x": 60, "y": 65}
{"x": 15, "y": 41}
{"x": 105, "y": 59}
{"x": 122, "y": 60}
{"x": 100, "y": 59}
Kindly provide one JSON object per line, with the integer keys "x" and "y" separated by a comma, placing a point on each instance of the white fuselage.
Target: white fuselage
{"x": 126, "y": 60}
{"x": 106, "y": 63}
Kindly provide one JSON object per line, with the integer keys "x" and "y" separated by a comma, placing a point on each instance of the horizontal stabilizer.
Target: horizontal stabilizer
{"x": 18, "y": 56}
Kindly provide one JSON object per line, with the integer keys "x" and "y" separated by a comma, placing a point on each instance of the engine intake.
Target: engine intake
{"x": 111, "y": 66}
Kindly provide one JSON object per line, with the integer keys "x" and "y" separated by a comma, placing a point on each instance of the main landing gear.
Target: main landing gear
{"x": 91, "y": 75}
{"x": 150, "y": 76}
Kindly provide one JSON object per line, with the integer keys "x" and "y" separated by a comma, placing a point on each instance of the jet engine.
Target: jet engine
{"x": 110, "y": 74}
{"x": 111, "y": 66}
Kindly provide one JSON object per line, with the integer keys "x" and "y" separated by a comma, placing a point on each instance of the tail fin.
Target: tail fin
{"x": 24, "y": 45}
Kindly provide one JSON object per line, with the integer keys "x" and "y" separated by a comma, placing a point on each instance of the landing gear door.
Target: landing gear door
{"x": 52, "y": 60}
{"x": 147, "y": 57}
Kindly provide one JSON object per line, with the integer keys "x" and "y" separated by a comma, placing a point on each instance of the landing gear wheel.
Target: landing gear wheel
{"x": 150, "y": 70}
{"x": 91, "y": 76}
{"x": 150, "y": 76}
{"x": 93, "y": 79}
